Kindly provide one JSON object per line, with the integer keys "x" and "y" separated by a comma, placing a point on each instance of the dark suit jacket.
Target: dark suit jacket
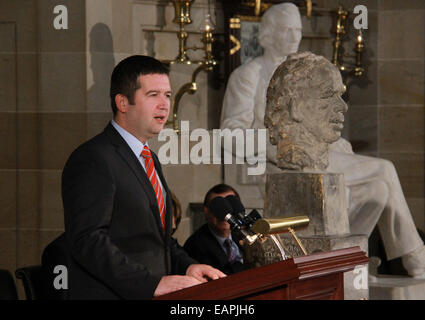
{"x": 204, "y": 247}
{"x": 112, "y": 225}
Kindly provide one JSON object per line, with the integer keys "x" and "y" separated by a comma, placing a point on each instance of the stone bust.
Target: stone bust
{"x": 305, "y": 111}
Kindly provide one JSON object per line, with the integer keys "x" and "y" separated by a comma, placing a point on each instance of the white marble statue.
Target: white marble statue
{"x": 373, "y": 187}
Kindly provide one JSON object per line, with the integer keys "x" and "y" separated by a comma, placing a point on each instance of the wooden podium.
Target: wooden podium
{"x": 315, "y": 276}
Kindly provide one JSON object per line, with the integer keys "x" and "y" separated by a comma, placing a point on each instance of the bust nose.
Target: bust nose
{"x": 341, "y": 106}
{"x": 293, "y": 35}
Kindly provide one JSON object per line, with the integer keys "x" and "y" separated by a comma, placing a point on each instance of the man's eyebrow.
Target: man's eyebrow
{"x": 156, "y": 91}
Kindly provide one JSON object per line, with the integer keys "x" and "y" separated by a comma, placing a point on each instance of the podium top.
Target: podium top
{"x": 248, "y": 283}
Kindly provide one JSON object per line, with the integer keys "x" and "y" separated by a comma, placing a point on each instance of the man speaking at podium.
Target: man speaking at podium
{"x": 117, "y": 204}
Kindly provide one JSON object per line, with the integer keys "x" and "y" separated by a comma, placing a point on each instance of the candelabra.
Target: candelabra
{"x": 348, "y": 69}
{"x": 260, "y": 6}
{"x": 182, "y": 18}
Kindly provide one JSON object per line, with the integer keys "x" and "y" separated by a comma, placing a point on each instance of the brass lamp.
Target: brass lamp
{"x": 281, "y": 225}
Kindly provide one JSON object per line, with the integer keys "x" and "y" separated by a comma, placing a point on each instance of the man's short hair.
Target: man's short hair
{"x": 124, "y": 79}
{"x": 217, "y": 189}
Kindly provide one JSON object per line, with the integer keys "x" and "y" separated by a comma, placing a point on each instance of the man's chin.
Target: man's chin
{"x": 334, "y": 136}
{"x": 155, "y": 131}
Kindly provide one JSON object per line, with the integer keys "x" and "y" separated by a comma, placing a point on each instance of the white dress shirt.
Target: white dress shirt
{"x": 136, "y": 146}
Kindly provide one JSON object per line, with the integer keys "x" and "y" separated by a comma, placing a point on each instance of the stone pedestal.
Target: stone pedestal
{"x": 250, "y": 188}
{"x": 393, "y": 287}
{"x": 389, "y": 287}
{"x": 321, "y": 197}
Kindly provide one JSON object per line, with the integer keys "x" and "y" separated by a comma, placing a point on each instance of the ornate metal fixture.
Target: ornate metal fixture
{"x": 349, "y": 69}
{"x": 261, "y": 6}
{"x": 182, "y": 18}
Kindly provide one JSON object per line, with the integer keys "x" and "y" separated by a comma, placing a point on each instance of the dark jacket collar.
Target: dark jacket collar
{"x": 125, "y": 152}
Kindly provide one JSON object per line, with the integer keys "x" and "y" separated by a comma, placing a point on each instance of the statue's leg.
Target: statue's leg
{"x": 366, "y": 202}
{"x": 374, "y": 186}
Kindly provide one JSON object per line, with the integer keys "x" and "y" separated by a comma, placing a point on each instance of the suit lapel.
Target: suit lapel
{"x": 216, "y": 247}
{"x": 128, "y": 156}
{"x": 168, "y": 203}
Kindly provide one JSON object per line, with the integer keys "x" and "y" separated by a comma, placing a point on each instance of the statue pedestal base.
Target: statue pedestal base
{"x": 321, "y": 197}
{"x": 389, "y": 287}
{"x": 393, "y": 287}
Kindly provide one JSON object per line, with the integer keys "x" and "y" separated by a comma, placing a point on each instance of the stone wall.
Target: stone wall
{"x": 401, "y": 88}
{"x": 43, "y": 101}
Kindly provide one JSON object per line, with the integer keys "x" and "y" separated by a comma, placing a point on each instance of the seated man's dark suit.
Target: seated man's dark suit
{"x": 205, "y": 248}
{"x": 113, "y": 231}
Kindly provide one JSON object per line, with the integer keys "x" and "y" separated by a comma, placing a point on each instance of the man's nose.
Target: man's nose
{"x": 164, "y": 103}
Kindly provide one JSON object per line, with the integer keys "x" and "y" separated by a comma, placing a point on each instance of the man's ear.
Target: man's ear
{"x": 295, "y": 111}
{"x": 121, "y": 102}
{"x": 206, "y": 214}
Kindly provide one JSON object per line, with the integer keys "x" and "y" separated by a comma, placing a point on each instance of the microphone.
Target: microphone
{"x": 239, "y": 211}
{"x": 251, "y": 218}
{"x": 222, "y": 210}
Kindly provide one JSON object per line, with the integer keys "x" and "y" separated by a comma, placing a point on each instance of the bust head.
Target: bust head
{"x": 281, "y": 29}
{"x": 305, "y": 111}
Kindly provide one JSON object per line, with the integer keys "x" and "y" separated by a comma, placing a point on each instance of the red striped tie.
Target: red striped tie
{"x": 151, "y": 172}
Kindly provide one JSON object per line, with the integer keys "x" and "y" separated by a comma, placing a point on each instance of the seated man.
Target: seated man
{"x": 212, "y": 243}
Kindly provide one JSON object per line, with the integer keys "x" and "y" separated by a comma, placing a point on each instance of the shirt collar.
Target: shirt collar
{"x": 219, "y": 239}
{"x": 135, "y": 144}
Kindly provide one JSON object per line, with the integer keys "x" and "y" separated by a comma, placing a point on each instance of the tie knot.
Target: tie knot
{"x": 146, "y": 153}
{"x": 228, "y": 242}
